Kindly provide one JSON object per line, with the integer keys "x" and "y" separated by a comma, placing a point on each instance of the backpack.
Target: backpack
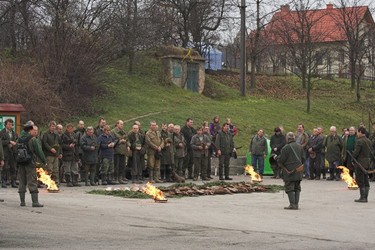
{"x": 23, "y": 152}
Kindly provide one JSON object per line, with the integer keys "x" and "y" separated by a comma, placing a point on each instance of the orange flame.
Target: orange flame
{"x": 254, "y": 175}
{"x": 46, "y": 179}
{"x": 156, "y": 193}
{"x": 345, "y": 176}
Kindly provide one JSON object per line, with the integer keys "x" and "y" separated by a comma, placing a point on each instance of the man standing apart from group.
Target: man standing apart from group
{"x": 258, "y": 149}
{"x": 225, "y": 146}
{"x": 361, "y": 154}
{"x": 292, "y": 156}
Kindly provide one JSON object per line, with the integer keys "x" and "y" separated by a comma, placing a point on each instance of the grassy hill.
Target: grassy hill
{"x": 278, "y": 101}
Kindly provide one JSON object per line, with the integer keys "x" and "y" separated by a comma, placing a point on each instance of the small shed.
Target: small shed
{"x": 183, "y": 67}
{"x": 11, "y": 111}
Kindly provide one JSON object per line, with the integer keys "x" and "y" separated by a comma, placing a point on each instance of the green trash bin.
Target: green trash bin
{"x": 267, "y": 165}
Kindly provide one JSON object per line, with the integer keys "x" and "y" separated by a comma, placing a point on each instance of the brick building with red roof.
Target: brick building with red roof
{"x": 326, "y": 29}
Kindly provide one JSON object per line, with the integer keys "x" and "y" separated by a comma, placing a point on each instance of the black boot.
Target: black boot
{"x": 278, "y": 173}
{"x": 3, "y": 179}
{"x": 75, "y": 181}
{"x": 362, "y": 192}
{"x": 331, "y": 174}
{"x": 324, "y": 172}
{"x": 22, "y": 199}
{"x": 68, "y": 181}
{"x": 221, "y": 173}
{"x": 87, "y": 181}
{"x": 151, "y": 175}
{"x": 14, "y": 184}
{"x": 34, "y": 198}
{"x": 297, "y": 198}
{"x": 338, "y": 174}
{"x": 104, "y": 179}
{"x": 365, "y": 194}
{"x": 292, "y": 201}
{"x": 92, "y": 179}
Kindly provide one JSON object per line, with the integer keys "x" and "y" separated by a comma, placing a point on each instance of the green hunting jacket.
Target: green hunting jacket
{"x": 119, "y": 134}
{"x": 333, "y": 145}
{"x": 49, "y": 141}
{"x": 224, "y": 142}
{"x": 290, "y": 160}
{"x": 362, "y": 151}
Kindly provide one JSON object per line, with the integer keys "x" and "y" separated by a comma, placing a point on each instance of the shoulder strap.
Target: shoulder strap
{"x": 295, "y": 153}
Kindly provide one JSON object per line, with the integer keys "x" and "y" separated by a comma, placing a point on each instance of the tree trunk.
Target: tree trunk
{"x": 307, "y": 83}
{"x": 252, "y": 73}
{"x": 358, "y": 94}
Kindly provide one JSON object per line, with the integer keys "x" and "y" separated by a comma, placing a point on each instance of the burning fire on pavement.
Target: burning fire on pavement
{"x": 156, "y": 193}
{"x": 345, "y": 176}
{"x": 45, "y": 178}
{"x": 255, "y": 177}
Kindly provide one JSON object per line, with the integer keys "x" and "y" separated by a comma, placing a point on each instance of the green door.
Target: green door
{"x": 192, "y": 77}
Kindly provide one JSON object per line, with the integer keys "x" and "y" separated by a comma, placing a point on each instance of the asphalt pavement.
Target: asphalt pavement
{"x": 328, "y": 218}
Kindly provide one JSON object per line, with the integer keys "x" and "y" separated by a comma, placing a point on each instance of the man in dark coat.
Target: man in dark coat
{"x": 70, "y": 156}
{"x": 314, "y": 146}
{"x": 362, "y": 152}
{"x": 137, "y": 144}
{"x": 277, "y": 143}
{"x": 188, "y": 131}
{"x": 90, "y": 148}
{"x": 225, "y": 146}
{"x": 292, "y": 156}
{"x": 9, "y": 138}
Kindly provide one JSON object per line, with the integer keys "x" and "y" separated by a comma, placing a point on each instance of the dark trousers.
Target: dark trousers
{"x": 224, "y": 165}
{"x": 200, "y": 167}
{"x": 188, "y": 163}
{"x": 27, "y": 177}
{"x": 361, "y": 178}
{"x": 119, "y": 164}
{"x": 315, "y": 166}
{"x": 137, "y": 166}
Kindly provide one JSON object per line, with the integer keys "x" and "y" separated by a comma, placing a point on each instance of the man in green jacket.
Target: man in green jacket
{"x": 333, "y": 147}
{"x": 52, "y": 150}
{"x": 292, "y": 155}
{"x": 90, "y": 148}
{"x": 121, "y": 148}
{"x": 26, "y": 171}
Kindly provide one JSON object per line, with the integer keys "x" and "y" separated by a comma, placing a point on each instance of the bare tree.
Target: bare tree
{"x": 354, "y": 21}
{"x": 299, "y": 33}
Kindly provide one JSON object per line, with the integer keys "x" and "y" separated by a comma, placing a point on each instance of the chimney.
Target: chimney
{"x": 329, "y": 6}
{"x": 284, "y": 8}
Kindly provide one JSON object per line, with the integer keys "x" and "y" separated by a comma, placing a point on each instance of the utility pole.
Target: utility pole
{"x": 243, "y": 49}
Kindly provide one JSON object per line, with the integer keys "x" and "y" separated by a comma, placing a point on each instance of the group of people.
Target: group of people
{"x": 102, "y": 155}
{"x": 299, "y": 155}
